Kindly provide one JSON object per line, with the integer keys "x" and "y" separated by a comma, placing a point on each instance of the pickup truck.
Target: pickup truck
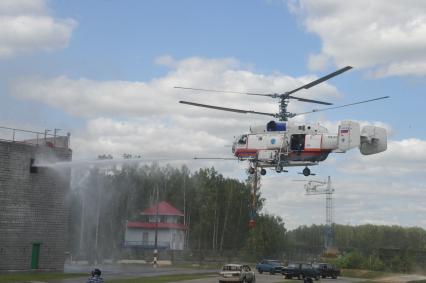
{"x": 269, "y": 265}
{"x": 327, "y": 270}
{"x": 300, "y": 270}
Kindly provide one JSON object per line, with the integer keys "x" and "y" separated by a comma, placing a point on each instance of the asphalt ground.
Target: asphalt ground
{"x": 110, "y": 272}
{"x": 266, "y": 278}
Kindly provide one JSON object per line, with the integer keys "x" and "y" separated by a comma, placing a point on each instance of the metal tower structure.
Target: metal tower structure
{"x": 312, "y": 188}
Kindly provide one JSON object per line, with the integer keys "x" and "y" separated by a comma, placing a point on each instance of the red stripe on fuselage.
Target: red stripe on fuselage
{"x": 310, "y": 152}
{"x": 245, "y": 152}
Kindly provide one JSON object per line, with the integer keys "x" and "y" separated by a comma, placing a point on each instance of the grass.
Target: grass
{"x": 161, "y": 279}
{"x": 372, "y": 276}
{"x": 365, "y": 274}
{"x": 37, "y": 276}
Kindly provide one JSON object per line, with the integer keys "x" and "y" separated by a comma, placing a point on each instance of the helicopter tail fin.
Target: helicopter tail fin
{"x": 348, "y": 135}
{"x": 373, "y": 140}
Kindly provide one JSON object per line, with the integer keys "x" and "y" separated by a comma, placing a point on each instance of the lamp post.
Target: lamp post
{"x": 156, "y": 232}
{"x": 55, "y": 132}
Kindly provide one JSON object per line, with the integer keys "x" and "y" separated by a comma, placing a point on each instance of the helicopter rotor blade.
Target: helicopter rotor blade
{"x": 228, "y": 109}
{"x": 320, "y": 80}
{"x": 341, "y": 106}
{"x": 222, "y": 91}
{"x": 310, "y": 100}
{"x": 273, "y": 95}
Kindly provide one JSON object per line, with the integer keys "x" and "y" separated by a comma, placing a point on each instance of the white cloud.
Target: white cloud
{"x": 26, "y": 26}
{"x": 402, "y": 157}
{"x": 167, "y": 141}
{"x": 357, "y": 200}
{"x": 145, "y": 118}
{"x": 148, "y": 137}
{"x": 139, "y": 116}
{"x": 387, "y": 35}
{"x": 20, "y": 7}
{"x": 89, "y": 98}
{"x": 166, "y": 60}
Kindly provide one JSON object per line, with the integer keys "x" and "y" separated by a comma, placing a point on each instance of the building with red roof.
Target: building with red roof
{"x": 164, "y": 208}
{"x": 169, "y": 226}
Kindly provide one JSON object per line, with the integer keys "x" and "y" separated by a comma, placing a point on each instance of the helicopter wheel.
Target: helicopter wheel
{"x": 251, "y": 170}
{"x": 306, "y": 171}
{"x": 262, "y": 172}
{"x": 279, "y": 168}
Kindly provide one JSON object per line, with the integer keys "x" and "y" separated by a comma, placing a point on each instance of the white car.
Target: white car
{"x": 236, "y": 273}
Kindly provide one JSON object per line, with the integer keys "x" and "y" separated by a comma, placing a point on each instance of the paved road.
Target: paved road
{"x": 131, "y": 271}
{"x": 127, "y": 271}
{"x": 266, "y": 278}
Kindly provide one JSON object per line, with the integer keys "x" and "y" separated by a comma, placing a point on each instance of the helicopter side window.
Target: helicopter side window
{"x": 242, "y": 140}
{"x": 297, "y": 142}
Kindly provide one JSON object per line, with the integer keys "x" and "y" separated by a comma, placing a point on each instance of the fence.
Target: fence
{"x": 147, "y": 244}
{"x": 34, "y": 138}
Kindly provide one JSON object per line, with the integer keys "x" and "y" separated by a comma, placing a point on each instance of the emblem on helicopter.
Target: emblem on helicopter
{"x": 280, "y": 144}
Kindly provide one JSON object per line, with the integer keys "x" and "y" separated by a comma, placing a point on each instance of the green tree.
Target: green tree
{"x": 268, "y": 239}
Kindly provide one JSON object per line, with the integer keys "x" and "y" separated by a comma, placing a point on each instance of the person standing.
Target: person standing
{"x": 96, "y": 277}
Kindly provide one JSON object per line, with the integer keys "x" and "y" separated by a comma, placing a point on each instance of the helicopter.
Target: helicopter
{"x": 280, "y": 144}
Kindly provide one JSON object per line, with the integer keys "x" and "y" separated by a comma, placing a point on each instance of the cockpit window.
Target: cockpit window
{"x": 242, "y": 139}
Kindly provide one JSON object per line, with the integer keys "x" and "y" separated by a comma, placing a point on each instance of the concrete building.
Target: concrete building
{"x": 33, "y": 212}
{"x": 169, "y": 226}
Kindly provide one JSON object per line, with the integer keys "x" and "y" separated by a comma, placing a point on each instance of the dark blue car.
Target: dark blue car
{"x": 269, "y": 265}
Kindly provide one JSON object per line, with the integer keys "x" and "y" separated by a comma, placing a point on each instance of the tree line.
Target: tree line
{"x": 373, "y": 247}
{"x": 217, "y": 210}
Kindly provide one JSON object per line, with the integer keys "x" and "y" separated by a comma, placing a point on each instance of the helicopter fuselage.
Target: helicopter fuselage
{"x": 279, "y": 144}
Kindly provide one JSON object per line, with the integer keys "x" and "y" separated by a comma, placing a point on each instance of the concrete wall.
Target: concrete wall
{"x": 32, "y": 206}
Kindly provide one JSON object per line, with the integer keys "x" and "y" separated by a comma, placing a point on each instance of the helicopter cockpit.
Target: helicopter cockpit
{"x": 240, "y": 141}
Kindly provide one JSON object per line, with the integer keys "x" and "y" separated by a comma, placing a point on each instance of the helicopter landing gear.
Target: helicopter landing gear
{"x": 262, "y": 172}
{"x": 279, "y": 169}
{"x": 251, "y": 170}
{"x": 307, "y": 172}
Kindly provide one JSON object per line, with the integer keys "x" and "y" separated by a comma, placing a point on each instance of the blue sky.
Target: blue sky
{"x": 116, "y": 40}
{"x": 104, "y": 70}
{"x": 250, "y": 31}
